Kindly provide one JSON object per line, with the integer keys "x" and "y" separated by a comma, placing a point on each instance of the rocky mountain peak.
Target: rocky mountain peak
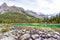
{"x": 4, "y": 5}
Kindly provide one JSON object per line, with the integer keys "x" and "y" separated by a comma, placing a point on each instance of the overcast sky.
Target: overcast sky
{"x": 44, "y": 6}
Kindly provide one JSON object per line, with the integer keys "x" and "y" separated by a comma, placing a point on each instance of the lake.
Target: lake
{"x": 39, "y": 25}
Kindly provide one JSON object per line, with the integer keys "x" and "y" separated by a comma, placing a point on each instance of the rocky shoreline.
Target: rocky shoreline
{"x": 31, "y": 34}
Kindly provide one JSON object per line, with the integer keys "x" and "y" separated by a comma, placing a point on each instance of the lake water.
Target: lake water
{"x": 40, "y": 25}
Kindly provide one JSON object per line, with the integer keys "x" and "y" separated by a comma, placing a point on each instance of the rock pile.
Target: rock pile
{"x": 33, "y": 34}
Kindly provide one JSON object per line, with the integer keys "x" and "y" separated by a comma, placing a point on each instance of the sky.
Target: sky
{"x": 41, "y": 6}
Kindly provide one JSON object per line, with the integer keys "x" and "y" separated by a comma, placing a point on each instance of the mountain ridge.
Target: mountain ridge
{"x": 13, "y": 14}
{"x": 4, "y": 7}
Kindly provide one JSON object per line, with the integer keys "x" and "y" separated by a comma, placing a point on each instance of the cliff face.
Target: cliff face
{"x": 5, "y": 7}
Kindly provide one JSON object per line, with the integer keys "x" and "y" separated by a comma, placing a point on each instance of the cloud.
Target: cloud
{"x": 1, "y": 1}
{"x": 44, "y": 6}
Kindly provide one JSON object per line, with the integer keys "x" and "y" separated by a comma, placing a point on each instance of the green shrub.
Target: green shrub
{"x": 4, "y": 30}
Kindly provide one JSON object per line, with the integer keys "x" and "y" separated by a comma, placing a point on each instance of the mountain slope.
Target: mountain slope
{"x": 4, "y": 7}
{"x": 15, "y": 17}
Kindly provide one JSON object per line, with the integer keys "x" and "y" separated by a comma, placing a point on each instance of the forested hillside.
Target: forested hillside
{"x": 15, "y": 17}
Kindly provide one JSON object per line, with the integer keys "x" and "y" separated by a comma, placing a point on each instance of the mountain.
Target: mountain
{"x": 14, "y": 14}
{"x": 15, "y": 17}
{"x": 4, "y": 8}
{"x": 37, "y": 15}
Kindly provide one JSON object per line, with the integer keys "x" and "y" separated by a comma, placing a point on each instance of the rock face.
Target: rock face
{"x": 5, "y": 7}
{"x": 40, "y": 15}
{"x": 15, "y": 9}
